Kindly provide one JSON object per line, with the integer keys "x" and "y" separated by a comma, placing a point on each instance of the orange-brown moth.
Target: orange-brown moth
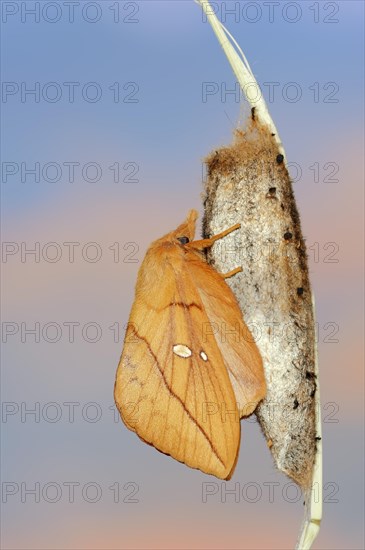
{"x": 189, "y": 367}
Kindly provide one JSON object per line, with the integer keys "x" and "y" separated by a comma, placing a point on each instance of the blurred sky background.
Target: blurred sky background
{"x": 157, "y": 55}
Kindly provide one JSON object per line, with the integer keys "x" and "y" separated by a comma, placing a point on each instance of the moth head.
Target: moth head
{"x": 180, "y": 236}
{"x": 185, "y": 233}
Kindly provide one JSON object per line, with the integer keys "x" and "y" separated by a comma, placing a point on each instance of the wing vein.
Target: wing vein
{"x": 175, "y": 396}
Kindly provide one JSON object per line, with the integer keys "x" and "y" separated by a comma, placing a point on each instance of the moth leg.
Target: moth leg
{"x": 207, "y": 243}
{"x": 232, "y": 272}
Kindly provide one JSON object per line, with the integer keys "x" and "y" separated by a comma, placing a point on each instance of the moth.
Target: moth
{"x": 189, "y": 368}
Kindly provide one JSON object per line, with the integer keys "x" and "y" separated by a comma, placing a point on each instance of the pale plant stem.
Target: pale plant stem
{"x": 242, "y": 71}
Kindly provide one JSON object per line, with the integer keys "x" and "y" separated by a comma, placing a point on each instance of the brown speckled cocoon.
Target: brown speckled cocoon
{"x": 248, "y": 183}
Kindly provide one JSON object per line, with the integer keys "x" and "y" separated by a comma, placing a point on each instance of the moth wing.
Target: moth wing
{"x": 184, "y": 406}
{"x": 237, "y": 346}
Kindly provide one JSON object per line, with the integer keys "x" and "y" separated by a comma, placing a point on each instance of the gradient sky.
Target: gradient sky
{"x": 166, "y": 57}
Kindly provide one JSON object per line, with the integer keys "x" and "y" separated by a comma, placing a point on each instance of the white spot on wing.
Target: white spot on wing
{"x": 204, "y": 356}
{"x": 181, "y": 350}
